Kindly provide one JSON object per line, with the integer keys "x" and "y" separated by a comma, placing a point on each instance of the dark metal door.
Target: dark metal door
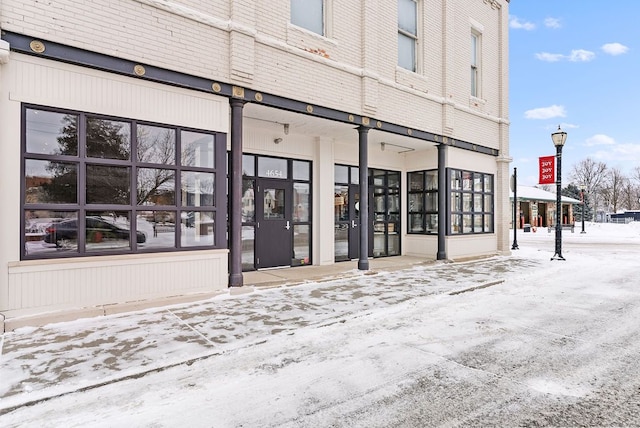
{"x": 274, "y": 230}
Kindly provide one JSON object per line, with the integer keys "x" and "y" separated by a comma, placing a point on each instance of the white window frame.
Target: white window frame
{"x": 403, "y": 33}
{"x": 324, "y": 5}
{"x": 476, "y": 64}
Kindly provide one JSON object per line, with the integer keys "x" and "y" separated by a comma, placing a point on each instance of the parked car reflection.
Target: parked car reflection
{"x": 98, "y": 230}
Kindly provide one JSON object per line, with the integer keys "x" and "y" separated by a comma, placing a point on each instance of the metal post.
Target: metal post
{"x": 515, "y": 209}
{"x": 235, "y": 198}
{"x": 583, "y": 201}
{"x": 558, "y": 254}
{"x": 363, "y": 261}
{"x": 442, "y": 202}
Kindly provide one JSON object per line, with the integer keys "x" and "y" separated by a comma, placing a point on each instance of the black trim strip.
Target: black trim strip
{"x": 76, "y": 56}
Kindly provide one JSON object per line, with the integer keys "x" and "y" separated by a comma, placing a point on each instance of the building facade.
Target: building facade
{"x": 158, "y": 148}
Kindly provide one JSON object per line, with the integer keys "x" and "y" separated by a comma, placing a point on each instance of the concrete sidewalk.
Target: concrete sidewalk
{"x": 41, "y": 363}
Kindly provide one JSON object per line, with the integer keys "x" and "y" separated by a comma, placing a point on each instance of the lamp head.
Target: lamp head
{"x": 559, "y": 137}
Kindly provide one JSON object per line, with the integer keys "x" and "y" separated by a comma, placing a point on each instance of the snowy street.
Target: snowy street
{"x": 508, "y": 341}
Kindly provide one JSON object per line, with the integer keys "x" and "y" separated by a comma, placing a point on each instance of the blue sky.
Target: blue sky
{"x": 575, "y": 64}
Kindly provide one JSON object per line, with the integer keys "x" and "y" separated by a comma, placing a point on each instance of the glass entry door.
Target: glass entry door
{"x": 347, "y": 222}
{"x": 274, "y": 223}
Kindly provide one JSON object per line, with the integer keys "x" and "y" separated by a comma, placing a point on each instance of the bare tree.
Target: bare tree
{"x": 613, "y": 187}
{"x": 592, "y": 175}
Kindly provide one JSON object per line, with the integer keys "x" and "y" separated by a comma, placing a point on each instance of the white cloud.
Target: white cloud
{"x": 517, "y": 24}
{"x": 580, "y": 55}
{"x": 620, "y": 153}
{"x": 552, "y": 23}
{"x": 546, "y": 112}
{"x": 614, "y": 49}
{"x": 549, "y": 57}
{"x": 599, "y": 140}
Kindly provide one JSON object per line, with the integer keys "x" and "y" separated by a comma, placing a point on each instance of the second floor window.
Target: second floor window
{"x": 308, "y": 14}
{"x": 475, "y": 65}
{"x": 407, "y": 34}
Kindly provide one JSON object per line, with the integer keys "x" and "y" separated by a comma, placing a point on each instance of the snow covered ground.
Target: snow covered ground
{"x": 517, "y": 340}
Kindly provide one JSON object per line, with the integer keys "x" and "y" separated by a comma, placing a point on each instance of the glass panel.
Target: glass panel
{"x": 274, "y": 204}
{"x": 301, "y": 170}
{"x": 272, "y": 168}
{"x": 467, "y": 223}
{"x": 477, "y": 182}
{"x": 50, "y": 182}
{"x": 488, "y": 203}
{"x": 466, "y": 202}
{"x": 474, "y": 49}
{"x": 432, "y": 180}
{"x": 301, "y": 202}
{"x": 198, "y": 229}
{"x": 156, "y": 186}
{"x": 394, "y": 244}
{"x": 108, "y": 185}
{"x": 406, "y": 52}
{"x": 108, "y": 139}
{"x": 308, "y": 14}
{"x": 456, "y": 180}
{"x": 355, "y": 175}
{"x": 432, "y": 223}
{"x": 379, "y": 245}
{"x": 301, "y": 244}
{"x": 478, "y": 220}
{"x": 477, "y": 203}
{"x": 341, "y": 174}
{"x": 488, "y": 183}
{"x": 109, "y": 230}
{"x": 378, "y": 177}
{"x": 393, "y": 179}
{"x": 407, "y": 14}
{"x": 248, "y": 201}
{"x": 50, "y": 232}
{"x": 415, "y": 202}
{"x": 394, "y": 202}
{"x": 51, "y": 133}
{"x": 341, "y": 203}
{"x": 159, "y": 227}
{"x": 416, "y": 181}
{"x": 341, "y": 242}
{"x": 467, "y": 179}
{"x": 432, "y": 202}
{"x": 378, "y": 203}
{"x": 197, "y": 149}
{"x": 156, "y": 144}
{"x": 416, "y": 223}
{"x": 456, "y": 223}
{"x": 456, "y": 201}
{"x": 488, "y": 223}
{"x": 197, "y": 189}
{"x": 248, "y": 165}
{"x": 248, "y": 245}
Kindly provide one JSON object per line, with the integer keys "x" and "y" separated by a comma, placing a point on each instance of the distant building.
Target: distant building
{"x": 537, "y": 207}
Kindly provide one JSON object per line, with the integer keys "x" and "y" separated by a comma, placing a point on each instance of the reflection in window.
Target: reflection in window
{"x": 108, "y": 139}
{"x": 159, "y": 227}
{"x": 248, "y": 201}
{"x": 51, "y": 133}
{"x": 156, "y": 145}
{"x": 301, "y": 202}
{"x": 407, "y": 34}
{"x": 248, "y": 247}
{"x": 197, "y": 149}
{"x": 156, "y": 186}
{"x": 50, "y": 182}
{"x": 471, "y": 202}
{"x": 51, "y": 232}
{"x": 110, "y": 230}
{"x": 423, "y": 201}
{"x": 274, "y": 204}
{"x": 272, "y": 167}
{"x": 308, "y": 14}
{"x": 197, "y": 189}
{"x": 202, "y": 231}
{"x": 108, "y": 184}
{"x": 301, "y": 244}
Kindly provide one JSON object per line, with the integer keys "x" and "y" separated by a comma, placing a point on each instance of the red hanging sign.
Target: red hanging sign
{"x": 547, "y": 170}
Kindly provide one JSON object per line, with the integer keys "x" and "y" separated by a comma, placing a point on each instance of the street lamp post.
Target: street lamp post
{"x": 559, "y": 137}
{"x": 514, "y": 187}
{"x": 582, "y": 189}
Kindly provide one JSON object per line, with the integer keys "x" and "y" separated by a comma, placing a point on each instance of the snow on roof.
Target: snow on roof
{"x": 535, "y": 194}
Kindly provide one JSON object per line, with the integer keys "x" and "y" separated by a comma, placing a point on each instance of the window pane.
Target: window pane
{"x": 301, "y": 244}
{"x": 456, "y": 223}
{"x": 432, "y": 223}
{"x": 488, "y": 223}
{"x": 197, "y": 189}
{"x": 274, "y": 204}
{"x": 466, "y": 202}
{"x": 456, "y": 201}
{"x": 272, "y": 167}
{"x": 341, "y": 203}
{"x": 406, "y": 52}
{"x": 355, "y": 175}
{"x": 248, "y": 245}
{"x": 156, "y": 186}
{"x": 301, "y": 170}
{"x": 51, "y": 133}
{"x": 456, "y": 180}
{"x": 488, "y": 203}
{"x": 416, "y": 181}
{"x": 201, "y": 232}
{"x": 248, "y": 165}
{"x": 432, "y": 180}
{"x": 478, "y": 220}
{"x": 488, "y": 183}
{"x": 477, "y": 203}
{"x": 308, "y": 14}
{"x": 108, "y": 185}
{"x": 50, "y": 232}
{"x": 197, "y": 149}
{"x": 416, "y": 223}
{"x": 341, "y": 174}
{"x": 248, "y": 201}
{"x": 467, "y": 179}
{"x": 50, "y": 182}
{"x": 393, "y": 179}
{"x": 109, "y": 230}
{"x": 108, "y": 139}
{"x": 301, "y": 202}
{"x": 407, "y": 14}
{"x": 477, "y": 182}
{"x": 415, "y": 202}
{"x": 156, "y": 144}
{"x": 432, "y": 202}
{"x": 159, "y": 227}
{"x": 467, "y": 223}
{"x": 394, "y": 244}
{"x": 341, "y": 242}
{"x": 378, "y": 177}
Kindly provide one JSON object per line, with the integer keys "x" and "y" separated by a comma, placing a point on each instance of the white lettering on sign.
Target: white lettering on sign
{"x": 274, "y": 173}
{"x": 546, "y": 163}
{"x": 547, "y": 176}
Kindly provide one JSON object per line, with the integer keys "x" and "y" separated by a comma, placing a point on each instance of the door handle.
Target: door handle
{"x": 353, "y": 223}
{"x": 288, "y": 226}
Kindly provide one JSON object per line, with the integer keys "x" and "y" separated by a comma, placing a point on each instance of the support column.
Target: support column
{"x": 442, "y": 202}
{"x": 363, "y": 261}
{"x": 235, "y": 196}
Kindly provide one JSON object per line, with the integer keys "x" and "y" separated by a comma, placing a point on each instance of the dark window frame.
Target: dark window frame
{"x": 470, "y": 193}
{"x": 81, "y": 207}
{"x": 424, "y": 193}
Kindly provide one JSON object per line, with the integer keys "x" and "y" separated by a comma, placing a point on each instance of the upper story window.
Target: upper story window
{"x": 407, "y": 34}
{"x": 475, "y": 64}
{"x": 94, "y": 185}
{"x": 309, "y": 14}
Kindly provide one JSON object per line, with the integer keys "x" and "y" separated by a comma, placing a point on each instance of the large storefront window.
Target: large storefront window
{"x": 97, "y": 185}
{"x": 423, "y": 202}
{"x": 471, "y": 200}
